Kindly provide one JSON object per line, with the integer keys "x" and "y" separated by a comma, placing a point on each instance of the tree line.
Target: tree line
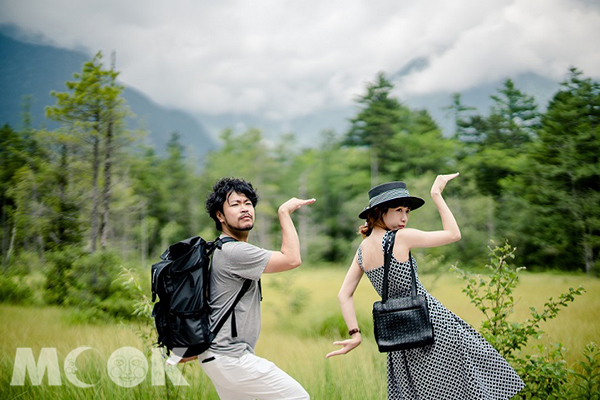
{"x": 93, "y": 192}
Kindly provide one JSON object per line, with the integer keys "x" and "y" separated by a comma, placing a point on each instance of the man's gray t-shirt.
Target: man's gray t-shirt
{"x": 234, "y": 263}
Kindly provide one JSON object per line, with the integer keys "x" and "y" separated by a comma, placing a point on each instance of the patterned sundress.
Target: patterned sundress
{"x": 461, "y": 364}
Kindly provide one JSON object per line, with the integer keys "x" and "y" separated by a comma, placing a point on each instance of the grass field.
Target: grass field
{"x": 301, "y": 319}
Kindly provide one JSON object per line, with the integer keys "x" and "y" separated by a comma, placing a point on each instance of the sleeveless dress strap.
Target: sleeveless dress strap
{"x": 360, "y": 263}
{"x": 386, "y": 238}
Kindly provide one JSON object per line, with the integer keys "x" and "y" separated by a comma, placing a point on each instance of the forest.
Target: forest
{"x": 95, "y": 189}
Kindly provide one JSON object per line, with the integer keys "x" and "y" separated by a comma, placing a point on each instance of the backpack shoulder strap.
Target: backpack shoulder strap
{"x": 222, "y": 240}
{"x": 245, "y": 286}
{"x": 228, "y": 239}
{"x": 239, "y": 296}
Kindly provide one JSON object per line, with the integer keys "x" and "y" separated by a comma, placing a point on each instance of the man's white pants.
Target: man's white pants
{"x": 249, "y": 377}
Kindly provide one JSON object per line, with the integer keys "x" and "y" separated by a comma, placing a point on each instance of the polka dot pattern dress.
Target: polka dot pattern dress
{"x": 461, "y": 364}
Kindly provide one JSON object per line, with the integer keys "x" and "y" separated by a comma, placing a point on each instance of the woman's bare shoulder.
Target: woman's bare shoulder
{"x": 406, "y": 232}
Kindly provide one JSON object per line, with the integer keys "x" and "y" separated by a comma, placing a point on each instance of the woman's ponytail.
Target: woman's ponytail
{"x": 365, "y": 230}
{"x": 374, "y": 219}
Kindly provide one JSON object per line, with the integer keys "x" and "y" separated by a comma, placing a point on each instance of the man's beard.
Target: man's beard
{"x": 240, "y": 228}
{"x": 243, "y": 228}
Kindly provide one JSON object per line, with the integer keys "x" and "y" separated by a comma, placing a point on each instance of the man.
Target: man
{"x": 230, "y": 362}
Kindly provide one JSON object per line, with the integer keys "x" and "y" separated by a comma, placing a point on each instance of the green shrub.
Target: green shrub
{"x": 88, "y": 282}
{"x": 97, "y": 287}
{"x": 93, "y": 276}
{"x": 13, "y": 289}
{"x": 544, "y": 373}
{"x": 586, "y": 376}
{"x": 24, "y": 263}
{"x": 59, "y": 276}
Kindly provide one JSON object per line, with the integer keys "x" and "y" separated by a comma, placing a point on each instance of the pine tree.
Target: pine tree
{"x": 564, "y": 178}
{"x": 90, "y": 109}
{"x": 514, "y": 119}
{"x": 495, "y": 144}
{"x": 380, "y": 117}
{"x": 19, "y": 152}
{"x": 464, "y": 127}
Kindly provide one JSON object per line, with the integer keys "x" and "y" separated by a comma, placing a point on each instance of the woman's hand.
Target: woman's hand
{"x": 347, "y": 346}
{"x": 440, "y": 183}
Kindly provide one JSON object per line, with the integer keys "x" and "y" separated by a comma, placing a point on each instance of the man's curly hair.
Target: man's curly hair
{"x": 222, "y": 189}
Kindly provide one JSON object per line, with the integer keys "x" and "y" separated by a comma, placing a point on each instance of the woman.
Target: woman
{"x": 461, "y": 364}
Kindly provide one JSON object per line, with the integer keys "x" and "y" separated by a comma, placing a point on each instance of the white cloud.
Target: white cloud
{"x": 539, "y": 36}
{"x": 285, "y": 59}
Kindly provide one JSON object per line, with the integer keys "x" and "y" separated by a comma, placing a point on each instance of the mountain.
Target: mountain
{"x": 479, "y": 97}
{"x": 308, "y": 129}
{"x": 32, "y": 70}
{"x": 542, "y": 90}
{"x": 35, "y": 70}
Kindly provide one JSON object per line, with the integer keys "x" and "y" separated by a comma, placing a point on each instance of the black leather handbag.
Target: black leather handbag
{"x": 403, "y": 322}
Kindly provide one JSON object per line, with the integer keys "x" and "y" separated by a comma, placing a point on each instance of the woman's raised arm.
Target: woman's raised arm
{"x": 451, "y": 231}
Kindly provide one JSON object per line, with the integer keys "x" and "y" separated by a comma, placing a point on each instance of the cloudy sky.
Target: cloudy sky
{"x": 285, "y": 59}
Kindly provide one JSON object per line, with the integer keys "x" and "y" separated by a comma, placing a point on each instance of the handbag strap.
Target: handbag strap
{"x": 388, "y": 246}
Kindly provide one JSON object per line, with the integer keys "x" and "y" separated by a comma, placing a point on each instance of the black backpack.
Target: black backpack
{"x": 182, "y": 282}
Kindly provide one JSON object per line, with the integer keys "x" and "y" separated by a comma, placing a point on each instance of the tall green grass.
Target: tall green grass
{"x": 301, "y": 319}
